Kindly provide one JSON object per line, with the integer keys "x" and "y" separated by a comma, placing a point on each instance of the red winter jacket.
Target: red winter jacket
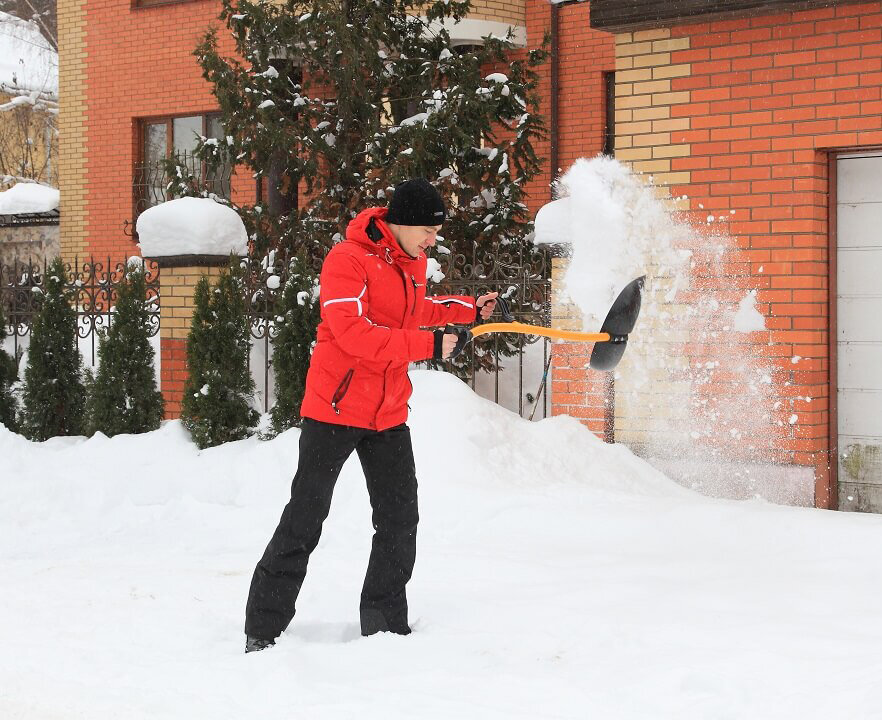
{"x": 373, "y": 304}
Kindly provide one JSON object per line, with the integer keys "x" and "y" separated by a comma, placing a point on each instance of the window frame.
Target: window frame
{"x": 145, "y": 4}
{"x": 141, "y": 154}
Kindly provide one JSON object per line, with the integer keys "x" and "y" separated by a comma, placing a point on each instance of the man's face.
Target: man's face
{"x": 415, "y": 239}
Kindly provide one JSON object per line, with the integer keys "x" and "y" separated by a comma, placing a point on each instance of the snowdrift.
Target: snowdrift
{"x": 557, "y": 577}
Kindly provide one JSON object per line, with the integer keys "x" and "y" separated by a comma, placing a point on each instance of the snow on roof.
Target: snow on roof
{"x": 191, "y": 226}
{"x": 26, "y": 198}
{"x": 27, "y": 60}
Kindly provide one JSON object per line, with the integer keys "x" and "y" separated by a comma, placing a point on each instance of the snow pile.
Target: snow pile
{"x": 557, "y": 577}
{"x": 689, "y": 392}
{"x": 191, "y": 226}
{"x": 27, "y": 60}
{"x": 24, "y": 198}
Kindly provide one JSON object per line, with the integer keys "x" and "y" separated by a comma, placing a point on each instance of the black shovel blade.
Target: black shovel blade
{"x": 619, "y": 322}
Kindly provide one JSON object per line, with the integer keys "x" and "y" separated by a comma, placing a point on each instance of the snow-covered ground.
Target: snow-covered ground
{"x": 557, "y": 577}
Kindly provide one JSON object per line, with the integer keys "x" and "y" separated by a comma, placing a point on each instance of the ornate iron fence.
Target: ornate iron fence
{"x": 264, "y": 282}
{"x": 93, "y": 286}
{"x": 522, "y": 275}
{"x": 494, "y": 364}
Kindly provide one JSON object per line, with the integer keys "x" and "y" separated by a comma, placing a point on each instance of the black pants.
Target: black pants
{"x": 387, "y": 460}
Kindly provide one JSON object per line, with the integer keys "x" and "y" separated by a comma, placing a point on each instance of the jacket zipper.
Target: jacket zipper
{"x": 341, "y": 390}
{"x": 413, "y": 309}
{"x": 404, "y": 282}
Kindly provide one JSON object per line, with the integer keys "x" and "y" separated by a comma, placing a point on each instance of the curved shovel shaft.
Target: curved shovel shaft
{"x": 524, "y": 329}
{"x": 610, "y": 342}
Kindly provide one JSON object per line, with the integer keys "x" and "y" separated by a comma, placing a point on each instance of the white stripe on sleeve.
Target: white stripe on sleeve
{"x": 356, "y": 300}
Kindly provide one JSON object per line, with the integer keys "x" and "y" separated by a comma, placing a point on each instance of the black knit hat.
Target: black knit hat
{"x": 416, "y": 202}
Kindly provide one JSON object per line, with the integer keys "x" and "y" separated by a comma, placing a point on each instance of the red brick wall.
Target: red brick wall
{"x": 173, "y": 362}
{"x": 770, "y": 95}
{"x": 740, "y": 115}
{"x": 585, "y": 54}
{"x": 140, "y": 63}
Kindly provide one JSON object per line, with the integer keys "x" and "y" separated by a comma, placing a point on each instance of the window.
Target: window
{"x": 609, "y": 130}
{"x": 151, "y": 3}
{"x": 163, "y": 138}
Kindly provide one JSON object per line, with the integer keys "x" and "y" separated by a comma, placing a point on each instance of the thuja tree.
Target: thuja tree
{"x": 216, "y": 406}
{"x": 53, "y": 397}
{"x": 350, "y": 98}
{"x": 8, "y": 376}
{"x": 123, "y": 397}
{"x": 298, "y": 315}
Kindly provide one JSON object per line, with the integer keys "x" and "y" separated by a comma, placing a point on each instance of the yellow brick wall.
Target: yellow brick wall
{"x": 509, "y": 11}
{"x": 71, "y": 126}
{"x": 643, "y": 104}
{"x": 564, "y": 315}
{"x": 646, "y": 402}
{"x": 176, "y": 286}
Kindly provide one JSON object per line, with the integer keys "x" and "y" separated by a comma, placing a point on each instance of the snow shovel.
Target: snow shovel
{"x": 610, "y": 342}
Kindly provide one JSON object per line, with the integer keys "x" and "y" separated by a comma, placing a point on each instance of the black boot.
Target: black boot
{"x": 253, "y": 644}
{"x": 374, "y": 621}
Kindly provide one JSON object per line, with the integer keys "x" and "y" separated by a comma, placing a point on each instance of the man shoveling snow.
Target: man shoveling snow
{"x": 373, "y": 306}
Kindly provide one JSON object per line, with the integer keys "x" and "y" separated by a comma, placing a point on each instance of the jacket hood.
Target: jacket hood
{"x": 384, "y": 244}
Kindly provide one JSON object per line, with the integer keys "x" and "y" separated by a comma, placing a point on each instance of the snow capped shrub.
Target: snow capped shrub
{"x": 123, "y": 397}
{"x": 54, "y": 396}
{"x": 216, "y": 407}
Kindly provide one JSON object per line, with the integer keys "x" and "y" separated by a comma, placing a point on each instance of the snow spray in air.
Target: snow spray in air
{"x": 694, "y": 391}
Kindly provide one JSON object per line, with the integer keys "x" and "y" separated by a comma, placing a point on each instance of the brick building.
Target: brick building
{"x": 132, "y": 93}
{"x": 773, "y": 111}
{"x": 768, "y": 109}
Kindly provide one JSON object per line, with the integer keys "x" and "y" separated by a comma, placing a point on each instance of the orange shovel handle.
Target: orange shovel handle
{"x": 524, "y": 329}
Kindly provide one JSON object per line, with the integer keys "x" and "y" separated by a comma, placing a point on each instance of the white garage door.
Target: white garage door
{"x": 859, "y": 320}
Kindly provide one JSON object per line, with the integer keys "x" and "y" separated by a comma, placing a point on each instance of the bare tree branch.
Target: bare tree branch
{"x": 50, "y": 33}
{"x": 43, "y": 12}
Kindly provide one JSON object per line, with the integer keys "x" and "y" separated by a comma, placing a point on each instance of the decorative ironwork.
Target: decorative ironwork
{"x": 50, "y": 217}
{"x": 93, "y": 289}
{"x": 264, "y": 282}
{"x": 150, "y": 183}
{"x": 522, "y": 273}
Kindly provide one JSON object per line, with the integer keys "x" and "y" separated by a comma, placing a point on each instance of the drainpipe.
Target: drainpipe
{"x": 554, "y": 152}
{"x": 555, "y": 93}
